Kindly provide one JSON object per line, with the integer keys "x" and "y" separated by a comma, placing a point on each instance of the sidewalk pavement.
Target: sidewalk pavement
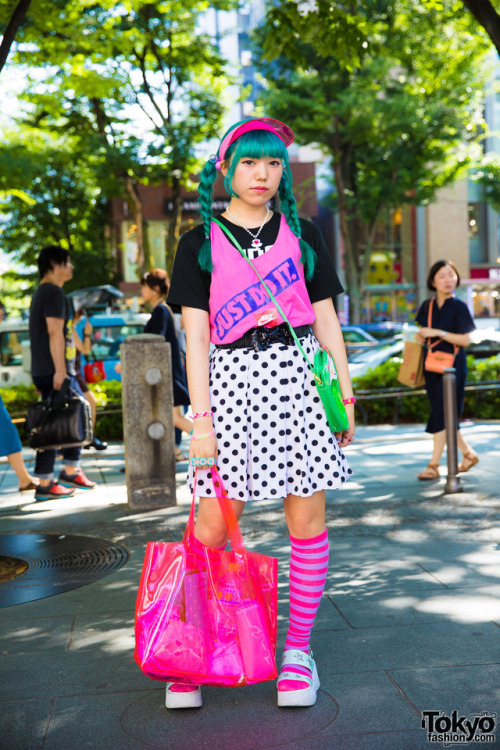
{"x": 410, "y": 619}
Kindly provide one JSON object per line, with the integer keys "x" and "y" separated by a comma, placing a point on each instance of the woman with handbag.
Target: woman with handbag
{"x": 446, "y": 324}
{"x": 257, "y": 412}
{"x": 83, "y": 345}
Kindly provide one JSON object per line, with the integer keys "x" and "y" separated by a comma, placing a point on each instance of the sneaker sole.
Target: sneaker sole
{"x": 300, "y": 698}
{"x": 183, "y": 700}
{"x": 53, "y": 497}
{"x": 65, "y": 483}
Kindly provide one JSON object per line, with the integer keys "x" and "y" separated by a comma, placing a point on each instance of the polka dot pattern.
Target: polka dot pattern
{"x": 272, "y": 434}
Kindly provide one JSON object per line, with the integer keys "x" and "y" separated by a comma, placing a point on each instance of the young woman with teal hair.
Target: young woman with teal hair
{"x": 257, "y": 413}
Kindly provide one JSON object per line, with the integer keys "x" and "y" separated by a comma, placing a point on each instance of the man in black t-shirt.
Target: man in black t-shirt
{"x": 52, "y": 362}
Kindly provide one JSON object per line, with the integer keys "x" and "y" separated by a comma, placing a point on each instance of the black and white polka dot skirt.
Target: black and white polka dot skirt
{"x": 273, "y": 438}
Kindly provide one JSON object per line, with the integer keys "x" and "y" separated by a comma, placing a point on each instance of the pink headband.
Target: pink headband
{"x": 262, "y": 123}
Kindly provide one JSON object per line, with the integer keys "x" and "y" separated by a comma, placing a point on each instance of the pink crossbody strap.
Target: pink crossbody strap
{"x": 430, "y": 346}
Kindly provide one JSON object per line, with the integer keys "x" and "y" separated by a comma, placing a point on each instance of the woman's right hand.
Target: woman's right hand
{"x": 205, "y": 447}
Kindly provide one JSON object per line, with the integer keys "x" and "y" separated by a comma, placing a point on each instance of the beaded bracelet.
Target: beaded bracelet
{"x": 202, "y": 414}
{"x": 351, "y": 400}
{"x": 205, "y": 435}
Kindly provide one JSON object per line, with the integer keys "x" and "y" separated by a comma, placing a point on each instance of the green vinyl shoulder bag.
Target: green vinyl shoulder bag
{"x": 323, "y": 369}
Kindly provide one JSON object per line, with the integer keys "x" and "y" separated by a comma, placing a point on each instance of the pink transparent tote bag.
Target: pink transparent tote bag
{"x": 206, "y": 616}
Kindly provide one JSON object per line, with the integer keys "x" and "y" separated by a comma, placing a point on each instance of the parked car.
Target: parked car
{"x": 14, "y": 346}
{"x": 385, "y": 329}
{"x": 367, "y": 359}
{"x": 355, "y": 338}
{"x": 110, "y": 330}
{"x": 484, "y": 343}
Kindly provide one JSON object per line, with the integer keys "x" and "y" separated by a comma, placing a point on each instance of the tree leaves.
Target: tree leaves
{"x": 391, "y": 112}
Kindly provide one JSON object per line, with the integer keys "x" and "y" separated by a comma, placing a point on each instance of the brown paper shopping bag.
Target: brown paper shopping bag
{"x": 411, "y": 372}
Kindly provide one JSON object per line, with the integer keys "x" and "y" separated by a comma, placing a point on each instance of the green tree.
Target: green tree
{"x": 487, "y": 16}
{"x": 135, "y": 79}
{"x": 392, "y": 115}
{"x": 11, "y": 19}
{"x": 48, "y": 195}
{"x": 487, "y": 174}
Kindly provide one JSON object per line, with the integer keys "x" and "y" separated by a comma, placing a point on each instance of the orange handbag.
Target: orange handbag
{"x": 437, "y": 361}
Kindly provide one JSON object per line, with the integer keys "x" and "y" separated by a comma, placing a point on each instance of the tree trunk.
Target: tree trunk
{"x": 348, "y": 225}
{"x": 486, "y": 15}
{"x": 132, "y": 190}
{"x": 174, "y": 225}
{"x": 13, "y": 26}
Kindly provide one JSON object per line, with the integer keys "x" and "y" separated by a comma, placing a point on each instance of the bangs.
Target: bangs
{"x": 257, "y": 144}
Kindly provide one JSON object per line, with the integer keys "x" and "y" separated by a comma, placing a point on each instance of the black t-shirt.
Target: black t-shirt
{"x": 49, "y": 301}
{"x": 190, "y": 286}
{"x": 452, "y": 316}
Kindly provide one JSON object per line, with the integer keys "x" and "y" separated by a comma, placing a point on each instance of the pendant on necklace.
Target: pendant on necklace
{"x": 256, "y": 243}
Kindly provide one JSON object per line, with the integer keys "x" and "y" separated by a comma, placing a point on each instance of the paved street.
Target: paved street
{"x": 410, "y": 619}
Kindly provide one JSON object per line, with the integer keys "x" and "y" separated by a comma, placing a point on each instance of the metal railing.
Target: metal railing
{"x": 398, "y": 394}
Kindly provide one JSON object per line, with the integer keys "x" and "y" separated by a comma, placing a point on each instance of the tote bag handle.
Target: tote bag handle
{"x": 232, "y": 526}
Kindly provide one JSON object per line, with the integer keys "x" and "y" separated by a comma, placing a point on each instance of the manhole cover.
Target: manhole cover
{"x": 56, "y": 563}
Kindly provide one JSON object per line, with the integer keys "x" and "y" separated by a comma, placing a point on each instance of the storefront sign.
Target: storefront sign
{"x": 193, "y": 206}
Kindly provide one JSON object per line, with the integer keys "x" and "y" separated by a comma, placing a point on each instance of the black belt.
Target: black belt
{"x": 261, "y": 338}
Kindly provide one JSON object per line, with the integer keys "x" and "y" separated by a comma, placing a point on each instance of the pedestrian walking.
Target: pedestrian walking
{"x": 82, "y": 335}
{"x": 52, "y": 363}
{"x": 446, "y": 324}
{"x": 257, "y": 413}
{"x": 154, "y": 289}
{"x": 10, "y": 446}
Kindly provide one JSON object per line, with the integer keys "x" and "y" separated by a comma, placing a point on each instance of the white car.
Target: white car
{"x": 366, "y": 359}
{"x": 14, "y": 353}
{"x": 110, "y": 330}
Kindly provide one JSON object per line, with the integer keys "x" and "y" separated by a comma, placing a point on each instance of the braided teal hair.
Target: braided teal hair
{"x": 255, "y": 144}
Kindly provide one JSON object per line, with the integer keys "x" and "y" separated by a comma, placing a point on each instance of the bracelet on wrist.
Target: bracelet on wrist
{"x": 351, "y": 400}
{"x": 200, "y": 414}
{"x": 204, "y": 436}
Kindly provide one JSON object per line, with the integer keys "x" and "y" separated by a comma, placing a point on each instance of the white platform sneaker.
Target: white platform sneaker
{"x": 175, "y": 699}
{"x": 305, "y": 696}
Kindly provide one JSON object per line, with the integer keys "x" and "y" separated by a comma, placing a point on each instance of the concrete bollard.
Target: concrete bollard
{"x": 450, "y": 422}
{"x": 148, "y": 426}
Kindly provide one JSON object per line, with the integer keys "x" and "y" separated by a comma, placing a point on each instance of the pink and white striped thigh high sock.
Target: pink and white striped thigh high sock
{"x": 308, "y": 570}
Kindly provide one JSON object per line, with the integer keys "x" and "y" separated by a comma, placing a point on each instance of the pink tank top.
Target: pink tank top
{"x": 238, "y": 301}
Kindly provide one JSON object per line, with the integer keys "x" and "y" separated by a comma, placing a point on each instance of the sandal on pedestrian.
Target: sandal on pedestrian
{"x": 431, "y": 472}
{"x": 180, "y": 456}
{"x": 468, "y": 461}
{"x": 305, "y": 696}
{"x": 182, "y": 696}
{"x": 30, "y": 486}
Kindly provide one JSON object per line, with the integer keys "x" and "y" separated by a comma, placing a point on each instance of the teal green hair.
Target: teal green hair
{"x": 256, "y": 144}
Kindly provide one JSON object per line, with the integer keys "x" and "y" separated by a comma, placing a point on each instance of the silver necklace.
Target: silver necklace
{"x": 255, "y": 241}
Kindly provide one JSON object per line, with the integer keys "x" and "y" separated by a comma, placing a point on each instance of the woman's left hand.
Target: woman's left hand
{"x": 346, "y": 437}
